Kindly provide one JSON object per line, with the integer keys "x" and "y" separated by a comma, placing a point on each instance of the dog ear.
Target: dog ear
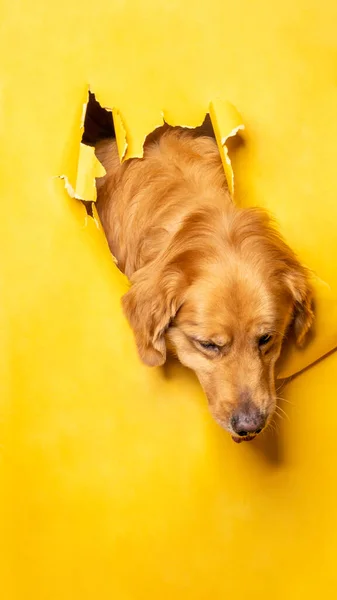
{"x": 294, "y": 276}
{"x": 150, "y": 305}
{"x": 297, "y": 282}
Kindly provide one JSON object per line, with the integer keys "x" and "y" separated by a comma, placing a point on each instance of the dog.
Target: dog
{"x": 214, "y": 284}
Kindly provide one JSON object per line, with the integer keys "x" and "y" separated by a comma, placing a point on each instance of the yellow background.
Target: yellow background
{"x": 115, "y": 481}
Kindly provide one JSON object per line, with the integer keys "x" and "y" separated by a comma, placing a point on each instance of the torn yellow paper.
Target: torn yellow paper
{"x": 227, "y": 122}
{"x": 121, "y": 140}
{"x": 88, "y": 169}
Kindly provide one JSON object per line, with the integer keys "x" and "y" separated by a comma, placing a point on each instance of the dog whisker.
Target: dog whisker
{"x": 272, "y": 426}
{"x": 284, "y": 400}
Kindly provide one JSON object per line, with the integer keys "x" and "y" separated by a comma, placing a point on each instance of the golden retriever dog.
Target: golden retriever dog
{"x": 212, "y": 283}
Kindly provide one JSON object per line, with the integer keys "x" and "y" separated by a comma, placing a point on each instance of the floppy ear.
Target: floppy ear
{"x": 297, "y": 282}
{"x": 294, "y": 276}
{"x": 149, "y": 306}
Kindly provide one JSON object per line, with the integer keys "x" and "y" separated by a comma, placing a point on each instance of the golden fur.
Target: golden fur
{"x": 210, "y": 281}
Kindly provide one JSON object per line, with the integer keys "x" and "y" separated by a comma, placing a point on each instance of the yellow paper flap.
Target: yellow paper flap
{"x": 227, "y": 122}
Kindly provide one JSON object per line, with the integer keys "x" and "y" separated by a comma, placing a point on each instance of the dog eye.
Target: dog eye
{"x": 208, "y": 346}
{"x": 264, "y": 339}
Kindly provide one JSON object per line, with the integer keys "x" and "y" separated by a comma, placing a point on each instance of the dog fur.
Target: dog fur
{"x": 212, "y": 283}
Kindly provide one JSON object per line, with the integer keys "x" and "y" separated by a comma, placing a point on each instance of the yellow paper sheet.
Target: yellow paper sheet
{"x": 115, "y": 481}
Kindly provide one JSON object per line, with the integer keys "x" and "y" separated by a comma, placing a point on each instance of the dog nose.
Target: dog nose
{"x": 249, "y": 421}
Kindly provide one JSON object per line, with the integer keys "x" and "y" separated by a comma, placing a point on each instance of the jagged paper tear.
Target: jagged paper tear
{"x": 226, "y": 122}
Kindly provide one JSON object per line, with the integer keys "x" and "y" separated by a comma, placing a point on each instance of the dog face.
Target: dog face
{"x": 224, "y": 308}
{"x": 229, "y": 330}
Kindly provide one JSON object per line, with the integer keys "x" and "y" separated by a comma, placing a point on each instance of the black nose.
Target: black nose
{"x": 248, "y": 421}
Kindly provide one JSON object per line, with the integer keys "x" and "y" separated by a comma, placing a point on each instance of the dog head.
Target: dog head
{"x": 223, "y": 298}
